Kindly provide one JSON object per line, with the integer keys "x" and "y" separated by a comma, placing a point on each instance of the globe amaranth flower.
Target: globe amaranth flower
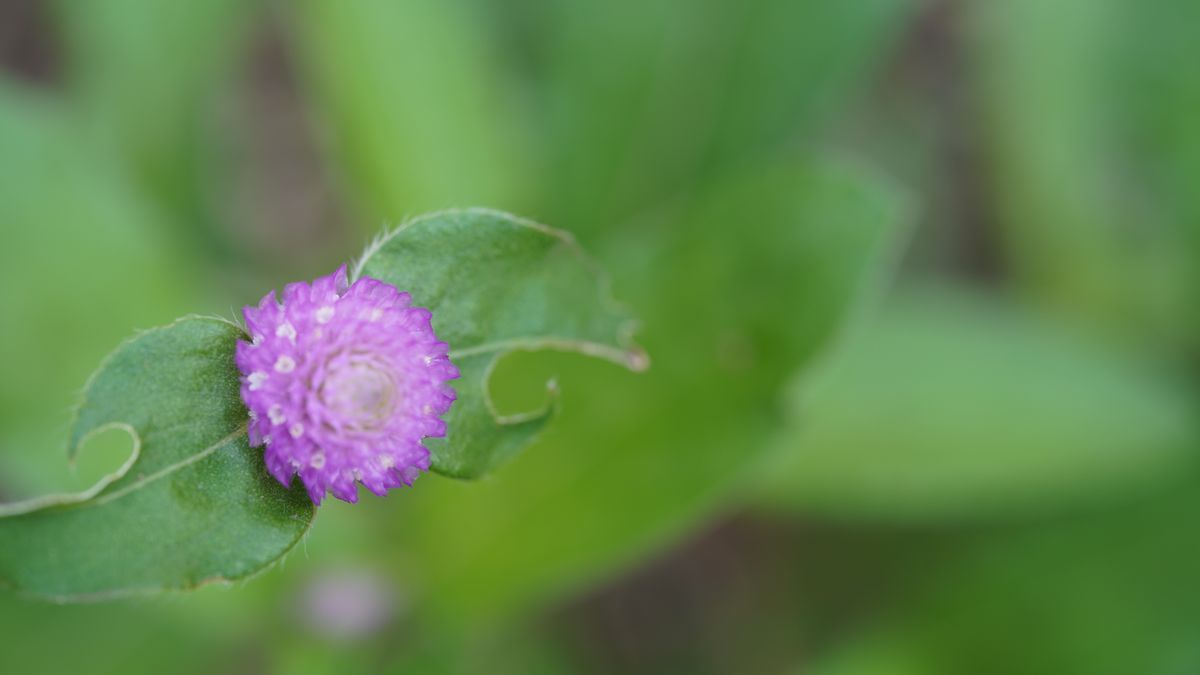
{"x": 343, "y": 382}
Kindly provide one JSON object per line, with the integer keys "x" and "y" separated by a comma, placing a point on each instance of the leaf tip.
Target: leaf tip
{"x": 637, "y": 360}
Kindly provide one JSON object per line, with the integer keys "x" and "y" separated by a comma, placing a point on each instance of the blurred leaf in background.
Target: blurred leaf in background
{"x": 1082, "y": 231}
{"x": 150, "y": 81}
{"x": 1155, "y": 101}
{"x": 1101, "y": 595}
{"x": 415, "y": 107}
{"x": 645, "y": 100}
{"x": 84, "y": 262}
{"x": 952, "y": 405}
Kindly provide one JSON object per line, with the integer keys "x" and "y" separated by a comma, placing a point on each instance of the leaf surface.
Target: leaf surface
{"x": 420, "y": 110}
{"x": 951, "y": 406}
{"x": 635, "y": 462}
{"x": 497, "y": 283}
{"x": 192, "y": 505}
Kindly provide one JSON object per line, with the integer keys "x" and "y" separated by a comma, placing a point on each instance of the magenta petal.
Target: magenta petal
{"x": 343, "y": 382}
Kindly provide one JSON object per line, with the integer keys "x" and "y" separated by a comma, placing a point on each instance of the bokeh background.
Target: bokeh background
{"x": 920, "y": 279}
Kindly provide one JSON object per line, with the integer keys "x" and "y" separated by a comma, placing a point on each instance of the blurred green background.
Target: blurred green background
{"x": 919, "y": 278}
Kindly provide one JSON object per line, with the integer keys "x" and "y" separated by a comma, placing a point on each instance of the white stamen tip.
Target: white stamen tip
{"x": 286, "y": 330}
{"x": 387, "y": 462}
{"x": 285, "y": 364}
{"x": 275, "y": 412}
{"x": 375, "y": 314}
{"x": 317, "y": 461}
{"x": 256, "y": 380}
{"x": 256, "y": 340}
{"x": 324, "y": 314}
{"x": 296, "y": 430}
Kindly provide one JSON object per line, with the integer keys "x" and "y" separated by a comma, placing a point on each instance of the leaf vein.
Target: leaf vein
{"x": 632, "y": 359}
{"x": 166, "y": 470}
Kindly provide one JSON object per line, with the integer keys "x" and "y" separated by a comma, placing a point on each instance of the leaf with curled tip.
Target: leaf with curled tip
{"x": 192, "y": 505}
{"x": 497, "y": 283}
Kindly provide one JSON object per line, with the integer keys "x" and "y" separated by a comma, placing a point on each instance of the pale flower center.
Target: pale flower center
{"x": 362, "y": 392}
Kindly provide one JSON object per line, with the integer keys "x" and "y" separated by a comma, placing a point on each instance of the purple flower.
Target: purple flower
{"x": 343, "y": 384}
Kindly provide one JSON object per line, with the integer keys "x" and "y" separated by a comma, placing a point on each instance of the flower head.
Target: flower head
{"x": 343, "y": 383}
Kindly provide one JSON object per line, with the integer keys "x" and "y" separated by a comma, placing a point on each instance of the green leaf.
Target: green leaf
{"x": 418, "y": 110}
{"x": 953, "y": 406}
{"x": 497, "y": 283}
{"x": 647, "y": 98}
{"x": 1107, "y": 594}
{"x": 192, "y": 505}
{"x": 1157, "y": 98}
{"x": 79, "y": 245}
{"x": 135, "y": 638}
{"x": 1087, "y": 228}
{"x": 162, "y": 115}
{"x": 634, "y": 462}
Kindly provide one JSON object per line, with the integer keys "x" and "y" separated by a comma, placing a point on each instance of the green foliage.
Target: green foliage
{"x": 959, "y": 486}
{"x": 635, "y": 461}
{"x": 495, "y": 284}
{"x": 643, "y": 104}
{"x": 1101, "y": 595}
{"x": 1071, "y": 125}
{"x": 420, "y": 116}
{"x": 109, "y": 637}
{"x": 949, "y": 406}
{"x": 192, "y": 505}
{"x": 147, "y": 79}
{"x": 65, "y": 207}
